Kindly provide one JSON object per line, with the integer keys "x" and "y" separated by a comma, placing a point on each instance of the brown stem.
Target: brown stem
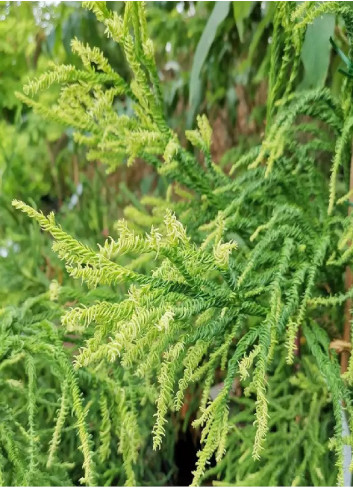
{"x": 348, "y": 284}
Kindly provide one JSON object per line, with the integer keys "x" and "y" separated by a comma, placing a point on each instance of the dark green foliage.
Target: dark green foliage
{"x": 55, "y": 419}
{"x": 296, "y": 451}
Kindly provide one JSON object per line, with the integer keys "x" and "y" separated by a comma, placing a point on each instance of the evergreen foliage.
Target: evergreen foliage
{"x": 50, "y": 410}
{"x": 245, "y": 263}
{"x": 306, "y": 459}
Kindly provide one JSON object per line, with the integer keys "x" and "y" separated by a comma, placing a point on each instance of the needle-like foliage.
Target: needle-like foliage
{"x": 244, "y": 264}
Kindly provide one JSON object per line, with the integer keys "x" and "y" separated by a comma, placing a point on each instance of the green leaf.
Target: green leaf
{"x": 241, "y": 10}
{"x": 219, "y": 13}
{"x": 316, "y": 51}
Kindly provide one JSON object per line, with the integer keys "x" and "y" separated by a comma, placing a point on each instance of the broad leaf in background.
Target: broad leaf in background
{"x": 316, "y": 61}
{"x": 219, "y": 13}
{"x": 241, "y": 10}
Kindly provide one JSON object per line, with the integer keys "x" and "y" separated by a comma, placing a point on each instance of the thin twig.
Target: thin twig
{"x": 348, "y": 284}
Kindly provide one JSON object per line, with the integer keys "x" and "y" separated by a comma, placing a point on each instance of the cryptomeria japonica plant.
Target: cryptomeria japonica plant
{"x": 250, "y": 270}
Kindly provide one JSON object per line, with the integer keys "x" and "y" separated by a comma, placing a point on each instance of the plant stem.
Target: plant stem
{"x": 348, "y": 284}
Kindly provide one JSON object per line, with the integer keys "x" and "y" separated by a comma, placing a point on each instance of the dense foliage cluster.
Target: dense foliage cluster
{"x": 234, "y": 276}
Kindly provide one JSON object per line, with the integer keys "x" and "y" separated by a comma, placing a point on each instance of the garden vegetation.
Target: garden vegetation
{"x": 235, "y": 275}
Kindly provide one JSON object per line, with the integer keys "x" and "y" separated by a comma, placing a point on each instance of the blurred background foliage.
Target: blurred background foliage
{"x": 213, "y": 58}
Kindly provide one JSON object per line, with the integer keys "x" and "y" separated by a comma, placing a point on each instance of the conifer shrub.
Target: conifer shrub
{"x": 245, "y": 266}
